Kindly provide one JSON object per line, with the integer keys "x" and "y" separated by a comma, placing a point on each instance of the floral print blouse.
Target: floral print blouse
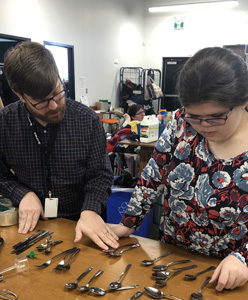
{"x": 205, "y": 199}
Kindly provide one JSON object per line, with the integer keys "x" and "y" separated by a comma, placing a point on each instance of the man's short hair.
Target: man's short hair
{"x": 30, "y": 69}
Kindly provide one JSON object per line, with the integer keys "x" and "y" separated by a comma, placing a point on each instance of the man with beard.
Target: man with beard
{"x": 53, "y": 158}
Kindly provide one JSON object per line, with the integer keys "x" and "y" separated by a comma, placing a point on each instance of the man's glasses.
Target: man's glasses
{"x": 45, "y": 103}
{"x": 212, "y": 121}
{"x": 139, "y": 113}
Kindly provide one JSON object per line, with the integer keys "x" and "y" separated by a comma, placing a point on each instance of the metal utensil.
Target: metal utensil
{"x": 117, "y": 284}
{"x": 157, "y": 294}
{"x": 47, "y": 263}
{"x": 73, "y": 285}
{"x": 61, "y": 264}
{"x": 163, "y": 282}
{"x": 110, "y": 249}
{"x": 126, "y": 249}
{"x": 193, "y": 277}
{"x": 198, "y": 295}
{"x": 136, "y": 295}
{"x": 6, "y": 294}
{"x": 164, "y": 267}
{"x": 68, "y": 265}
{"x": 164, "y": 275}
{"x": 149, "y": 262}
{"x": 84, "y": 288}
{"x": 51, "y": 245}
{"x": 44, "y": 245}
{"x": 101, "y": 292}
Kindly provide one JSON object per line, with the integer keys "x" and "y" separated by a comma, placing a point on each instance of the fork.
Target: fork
{"x": 68, "y": 265}
{"x": 61, "y": 264}
{"x": 47, "y": 263}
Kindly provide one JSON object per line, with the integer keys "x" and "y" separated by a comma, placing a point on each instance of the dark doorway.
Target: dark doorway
{"x": 64, "y": 57}
{"x": 171, "y": 69}
{"x": 7, "y": 42}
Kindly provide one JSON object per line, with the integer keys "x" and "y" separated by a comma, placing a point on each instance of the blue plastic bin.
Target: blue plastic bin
{"x": 116, "y": 207}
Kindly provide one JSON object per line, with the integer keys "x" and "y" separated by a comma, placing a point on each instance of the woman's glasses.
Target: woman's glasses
{"x": 139, "y": 113}
{"x": 211, "y": 121}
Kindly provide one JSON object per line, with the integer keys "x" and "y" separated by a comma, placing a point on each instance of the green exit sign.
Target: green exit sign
{"x": 178, "y": 25}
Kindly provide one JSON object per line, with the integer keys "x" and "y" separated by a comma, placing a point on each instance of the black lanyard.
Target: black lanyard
{"x": 46, "y": 151}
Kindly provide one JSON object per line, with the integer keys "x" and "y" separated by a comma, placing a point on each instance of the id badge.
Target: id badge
{"x": 51, "y": 207}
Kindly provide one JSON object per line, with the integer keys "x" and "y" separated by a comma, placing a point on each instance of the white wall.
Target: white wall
{"x": 104, "y": 30}
{"x": 201, "y": 29}
{"x": 99, "y": 30}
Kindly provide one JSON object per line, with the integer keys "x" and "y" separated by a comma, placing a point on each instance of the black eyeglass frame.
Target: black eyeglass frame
{"x": 142, "y": 112}
{"x": 47, "y": 100}
{"x": 198, "y": 121}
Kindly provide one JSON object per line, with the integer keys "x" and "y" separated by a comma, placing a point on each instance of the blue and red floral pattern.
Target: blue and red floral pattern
{"x": 205, "y": 199}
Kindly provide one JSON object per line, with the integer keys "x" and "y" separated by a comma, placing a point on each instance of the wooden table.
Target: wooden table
{"x": 36, "y": 284}
{"x": 145, "y": 151}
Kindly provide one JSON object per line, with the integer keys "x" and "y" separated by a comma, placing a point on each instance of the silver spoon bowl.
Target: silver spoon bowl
{"x": 163, "y": 282}
{"x": 157, "y": 294}
{"x": 102, "y": 292}
{"x": 73, "y": 285}
{"x": 164, "y": 267}
{"x": 117, "y": 284}
{"x": 198, "y": 295}
{"x": 149, "y": 262}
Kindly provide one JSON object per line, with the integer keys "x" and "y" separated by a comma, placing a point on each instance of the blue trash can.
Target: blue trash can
{"x": 116, "y": 207}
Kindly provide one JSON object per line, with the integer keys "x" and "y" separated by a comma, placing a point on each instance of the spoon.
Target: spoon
{"x": 117, "y": 284}
{"x": 164, "y": 275}
{"x": 120, "y": 253}
{"x": 101, "y": 292}
{"x": 73, "y": 285}
{"x": 86, "y": 287}
{"x": 149, "y": 262}
{"x": 163, "y": 282}
{"x": 198, "y": 295}
{"x": 110, "y": 249}
{"x": 164, "y": 267}
{"x": 193, "y": 277}
{"x": 51, "y": 245}
{"x": 157, "y": 294}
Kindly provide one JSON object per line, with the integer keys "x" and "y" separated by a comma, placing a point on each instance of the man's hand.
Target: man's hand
{"x": 30, "y": 209}
{"x": 230, "y": 273}
{"x": 92, "y": 225}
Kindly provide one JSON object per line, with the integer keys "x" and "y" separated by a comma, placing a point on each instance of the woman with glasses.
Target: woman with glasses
{"x": 200, "y": 163}
{"x": 135, "y": 112}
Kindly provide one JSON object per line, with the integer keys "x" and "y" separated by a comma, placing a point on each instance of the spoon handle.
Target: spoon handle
{"x": 178, "y": 262}
{"x": 83, "y": 274}
{"x": 184, "y": 268}
{"x": 167, "y": 253}
{"x": 128, "y": 287}
{"x": 128, "y": 248}
{"x": 97, "y": 274}
{"x": 206, "y": 270}
{"x": 204, "y": 283}
{"x": 124, "y": 271}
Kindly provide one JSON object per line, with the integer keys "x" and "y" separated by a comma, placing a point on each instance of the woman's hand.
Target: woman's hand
{"x": 92, "y": 225}
{"x": 120, "y": 230}
{"x": 230, "y": 273}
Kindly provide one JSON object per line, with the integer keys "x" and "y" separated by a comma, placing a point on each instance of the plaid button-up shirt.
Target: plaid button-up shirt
{"x": 81, "y": 174}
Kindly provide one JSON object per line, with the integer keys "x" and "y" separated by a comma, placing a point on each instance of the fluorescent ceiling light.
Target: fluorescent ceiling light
{"x": 191, "y": 6}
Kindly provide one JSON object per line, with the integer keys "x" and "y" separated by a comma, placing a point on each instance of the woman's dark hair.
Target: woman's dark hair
{"x": 30, "y": 68}
{"x": 213, "y": 75}
{"x": 133, "y": 109}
